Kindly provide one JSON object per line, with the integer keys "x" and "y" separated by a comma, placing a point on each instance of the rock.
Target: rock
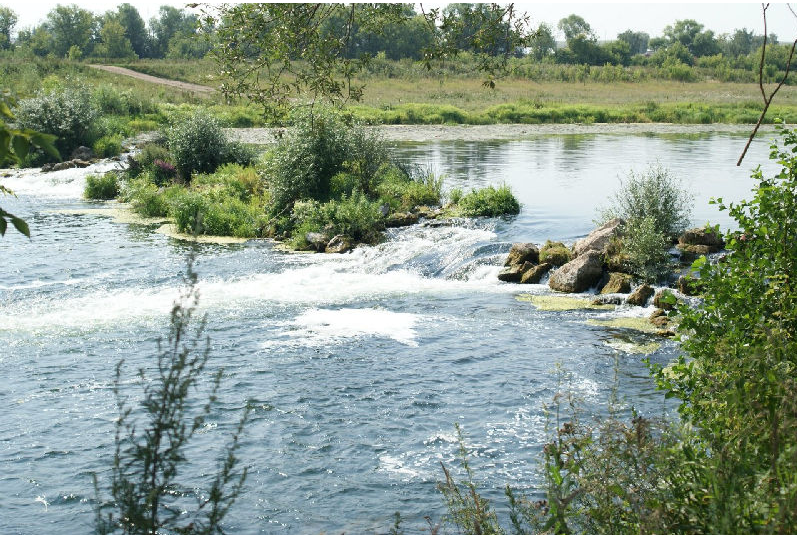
{"x": 402, "y": 219}
{"x": 535, "y": 273}
{"x": 522, "y": 252}
{"x": 689, "y": 285}
{"x": 599, "y": 239}
{"x": 60, "y": 166}
{"x": 82, "y": 153}
{"x": 707, "y": 236}
{"x": 384, "y": 209}
{"x": 619, "y": 283}
{"x": 660, "y": 302}
{"x": 555, "y": 253}
{"x": 667, "y": 333}
{"x": 48, "y": 167}
{"x": 660, "y": 321}
{"x": 514, "y": 273}
{"x": 657, "y": 313}
{"x": 578, "y": 275}
{"x": 426, "y": 211}
{"x": 316, "y": 241}
{"x": 80, "y": 163}
{"x": 640, "y": 296}
{"x": 339, "y": 244}
{"x": 608, "y": 300}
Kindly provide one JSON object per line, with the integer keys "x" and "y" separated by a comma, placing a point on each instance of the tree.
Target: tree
{"x": 272, "y": 53}
{"x": 134, "y": 29}
{"x": 71, "y": 26}
{"x": 740, "y": 43}
{"x": 169, "y": 22}
{"x": 690, "y": 33}
{"x": 113, "y": 43}
{"x": 637, "y": 41}
{"x": 542, "y": 43}
{"x": 574, "y": 26}
{"x": 8, "y": 19}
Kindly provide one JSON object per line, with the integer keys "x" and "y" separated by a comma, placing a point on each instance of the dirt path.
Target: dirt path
{"x": 183, "y": 86}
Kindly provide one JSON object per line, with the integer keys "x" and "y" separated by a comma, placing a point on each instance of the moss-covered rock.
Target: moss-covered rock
{"x": 521, "y": 253}
{"x": 514, "y": 273}
{"x": 533, "y": 275}
{"x": 578, "y": 275}
{"x": 555, "y": 253}
{"x": 689, "y": 285}
{"x": 664, "y": 300}
{"x": 618, "y": 283}
{"x": 640, "y": 296}
{"x": 599, "y": 239}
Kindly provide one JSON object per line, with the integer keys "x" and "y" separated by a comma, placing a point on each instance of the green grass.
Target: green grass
{"x": 103, "y": 187}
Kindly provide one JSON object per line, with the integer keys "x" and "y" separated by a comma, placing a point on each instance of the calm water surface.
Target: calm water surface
{"x": 359, "y": 365}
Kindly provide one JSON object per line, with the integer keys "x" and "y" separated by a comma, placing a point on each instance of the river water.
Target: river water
{"x": 358, "y": 365}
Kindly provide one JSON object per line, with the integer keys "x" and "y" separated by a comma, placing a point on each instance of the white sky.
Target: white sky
{"x": 607, "y": 19}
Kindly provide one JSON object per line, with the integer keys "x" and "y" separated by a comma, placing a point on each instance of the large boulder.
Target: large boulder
{"x": 640, "y": 296}
{"x": 700, "y": 241}
{"x": 515, "y": 273}
{"x": 578, "y": 275}
{"x": 555, "y": 253}
{"x": 619, "y": 283}
{"x": 533, "y": 275}
{"x": 599, "y": 239}
{"x": 521, "y": 253}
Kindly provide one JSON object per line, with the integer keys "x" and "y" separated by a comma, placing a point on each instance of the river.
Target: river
{"x": 359, "y": 365}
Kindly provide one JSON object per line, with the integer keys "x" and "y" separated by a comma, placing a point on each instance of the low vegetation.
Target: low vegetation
{"x": 102, "y": 187}
{"x": 486, "y": 202}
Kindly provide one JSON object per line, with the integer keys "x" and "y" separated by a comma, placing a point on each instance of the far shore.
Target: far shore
{"x": 401, "y": 132}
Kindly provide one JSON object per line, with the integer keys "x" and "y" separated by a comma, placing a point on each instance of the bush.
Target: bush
{"x": 489, "y": 202}
{"x": 145, "y": 197}
{"x": 68, "y": 113}
{"x": 108, "y": 146}
{"x": 354, "y": 216}
{"x": 403, "y": 192}
{"x": 654, "y": 193}
{"x": 213, "y": 213}
{"x": 645, "y": 249}
{"x": 197, "y": 144}
{"x": 102, "y": 187}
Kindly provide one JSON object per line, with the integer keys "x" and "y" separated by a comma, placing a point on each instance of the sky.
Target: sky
{"x": 607, "y": 19}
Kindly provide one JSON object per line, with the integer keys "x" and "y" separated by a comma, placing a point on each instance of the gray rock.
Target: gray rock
{"x": 522, "y": 252}
{"x": 316, "y": 241}
{"x": 640, "y": 296}
{"x": 598, "y": 240}
{"x": 60, "y": 166}
{"x": 339, "y": 244}
{"x": 80, "y": 163}
{"x": 402, "y": 219}
{"x": 82, "y": 153}
{"x": 619, "y": 283}
{"x": 706, "y": 236}
{"x": 608, "y": 300}
{"x": 578, "y": 275}
{"x": 533, "y": 275}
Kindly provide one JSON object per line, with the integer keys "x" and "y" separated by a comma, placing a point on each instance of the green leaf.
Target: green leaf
{"x": 5, "y": 110}
{"x": 20, "y": 225}
{"x": 699, "y": 263}
{"x": 44, "y": 142}
{"x": 21, "y": 145}
{"x": 5, "y": 137}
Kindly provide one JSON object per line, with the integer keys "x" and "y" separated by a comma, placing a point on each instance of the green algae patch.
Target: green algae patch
{"x": 636, "y": 348}
{"x": 559, "y": 303}
{"x": 119, "y": 214}
{"x": 641, "y": 324}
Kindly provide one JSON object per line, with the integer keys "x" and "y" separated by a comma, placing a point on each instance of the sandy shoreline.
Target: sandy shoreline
{"x": 261, "y": 136}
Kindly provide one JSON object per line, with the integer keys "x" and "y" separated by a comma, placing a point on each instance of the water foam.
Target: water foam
{"x": 66, "y": 184}
{"x": 326, "y": 325}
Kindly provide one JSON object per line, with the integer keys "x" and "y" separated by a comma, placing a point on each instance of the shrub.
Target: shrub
{"x": 68, "y": 113}
{"x": 354, "y": 216}
{"x": 145, "y": 197}
{"x": 102, "y": 187}
{"x": 233, "y": 180}
{"x": 108, "y": 146}
{"x": 645, "y": 249}
{"x": 197, "y": 144}
{"x": 489, "y": 202}
{"x": 403, "y": 192}
{"x": 240, "y": 153}
{"x": 216, "y": 213}
{"x": 654, "y": 193}
{"x": 163, "y": 172}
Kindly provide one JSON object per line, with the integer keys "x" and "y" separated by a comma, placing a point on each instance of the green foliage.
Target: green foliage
{"x": 68, "y": 113}
{"x": 645, "y": 249}
{"x": 489, "y": 202}
{"x": 197, "y": 144}
{"x": 108, "y": 146}
{"x": 353, "y": 216}
{"x": 555, "y": 253}
{"x": 153, "y": 436}
{"x": 656, "y": 194}
{"x": 102, "y": 187}
{"x": 145, "y": 197}
{"x": 403, "y": 191}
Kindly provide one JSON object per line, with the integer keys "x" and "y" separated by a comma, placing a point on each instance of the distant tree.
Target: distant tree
{"x": 113, "y": 42}
{"x": 616, "y": 52}
{"x": 542, "y": 42}
{"x": 637, "y": 41}
{"x": 574, "y": 26}
{"x": 8, "y": 19}
{"x": 71, "y": 26}
{"x": 466, "y": 24}
{"x": 740, "y": 43}
{"x": 169, "y": 22}
{"x": 657, "y": 43}
{"x": 134, "y": 28}
{"x": 690, "y": 33}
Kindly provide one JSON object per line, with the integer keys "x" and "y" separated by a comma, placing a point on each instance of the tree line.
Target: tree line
{"x": 75, "y": 33}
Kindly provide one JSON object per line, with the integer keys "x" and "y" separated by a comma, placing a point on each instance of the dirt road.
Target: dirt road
{"x": 183, "y": 86}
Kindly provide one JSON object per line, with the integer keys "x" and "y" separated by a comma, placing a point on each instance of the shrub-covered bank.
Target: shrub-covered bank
{"x": 327, "y": 185}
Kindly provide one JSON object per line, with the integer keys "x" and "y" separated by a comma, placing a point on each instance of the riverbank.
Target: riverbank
{"x": 488, "y": 132}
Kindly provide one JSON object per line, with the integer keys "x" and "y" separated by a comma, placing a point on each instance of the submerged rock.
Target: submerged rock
{"x": 339, "y": 244}
{"x": 561, "y": 303}
{"x": 619, "y": 283}
{"x": 535, "y": 273}
{"x": 521, "y": 253}
{"x": 640, "y": 296}
{"x": 555, "y": 253}
{"x": 599, "y": 239}
{"x": 578, "y": 275}
{"x": 515, "y": 273}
